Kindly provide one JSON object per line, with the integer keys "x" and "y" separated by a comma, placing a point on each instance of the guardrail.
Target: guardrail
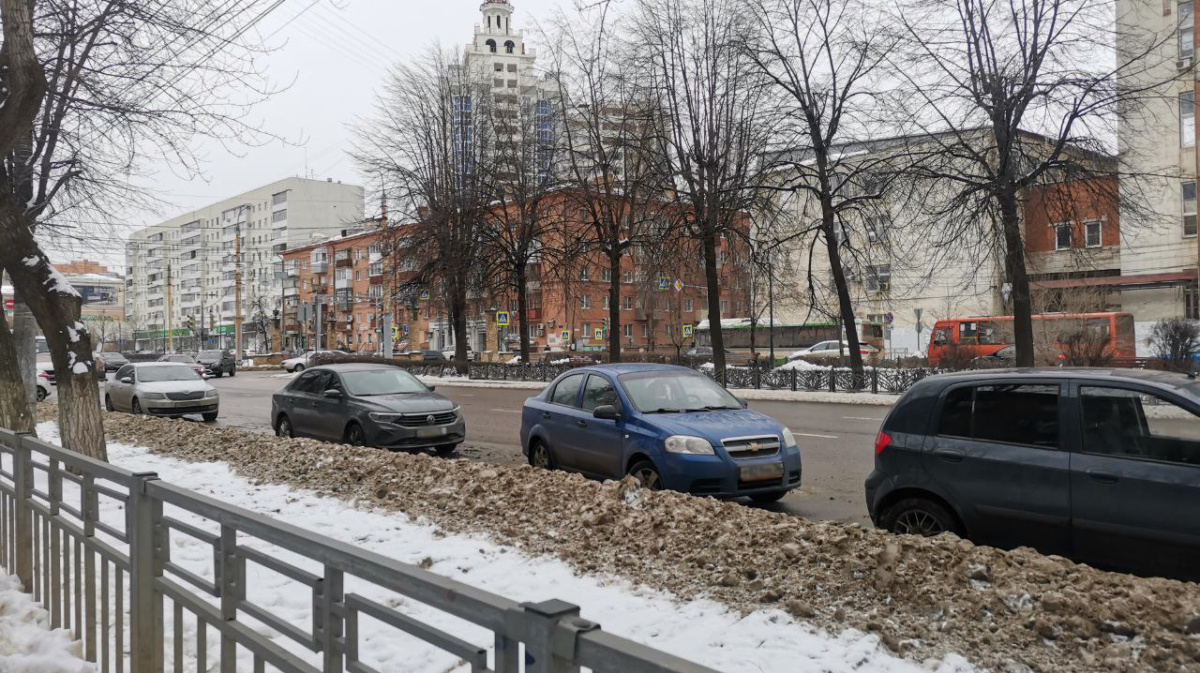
{"x": 93, "y": 543}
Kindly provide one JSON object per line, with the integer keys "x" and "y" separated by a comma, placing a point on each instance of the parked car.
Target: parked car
{"x": 44, "y": 385}
{"x": 161, "y": 389}
{"x": 365, "y": 404}
{"x": 1101, "y": 465}
{"x": 828, "y": 350}
{"x": 218, "y": 362}
{"x": 433, "y": 356}
{"x": 114, "y": 361}
{"x": 449, "y": 354}
{"x": 306, "y": 360}
{"x": 185, "y": 360}
{"x": 670, "y": 427}
{"x": 705, "y": 352}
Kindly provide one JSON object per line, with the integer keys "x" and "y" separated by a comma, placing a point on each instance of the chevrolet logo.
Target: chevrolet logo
{"x": 755, "y": 447}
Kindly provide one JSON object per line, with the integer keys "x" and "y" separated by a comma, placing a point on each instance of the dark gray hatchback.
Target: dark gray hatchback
{"x": 1099, "y": 465}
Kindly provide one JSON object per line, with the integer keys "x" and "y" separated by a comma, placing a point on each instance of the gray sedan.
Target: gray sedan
{"x": 161, "y": 389}
{"x": 367, "y": 405}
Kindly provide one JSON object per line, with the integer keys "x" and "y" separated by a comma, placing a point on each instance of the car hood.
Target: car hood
{"x": 418, "y": 403}
{"x": 208, "y": 361}
{"x": 716, "y": 425}
{"x": 175, "y": 387}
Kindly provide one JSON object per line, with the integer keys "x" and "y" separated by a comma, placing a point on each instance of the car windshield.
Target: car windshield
{"x": 665, "y": 392}
{"x": 382, "y": 382}
{"x": 210, "y": 355}
{"x": 165, "y": 373}
{"x": 185, "y": 359}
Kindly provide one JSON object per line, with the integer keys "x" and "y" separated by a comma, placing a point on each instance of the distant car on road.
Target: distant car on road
{"x": 218, "y": 362}
{"x": 44, "y": 385}
{"x": 1101, "y": 465}
{"x": 670, "y": 427}
{"x": 705, "y": 352}
{"x": 306, "y": 360}
{"x": 185, "y": 360}
{"x": 364, "y": 404}
{"x": 113, "y": 360}
{"x": 828, "y": 350}
{"x": 433, "y": 356}
{"x": 161, "y": 389}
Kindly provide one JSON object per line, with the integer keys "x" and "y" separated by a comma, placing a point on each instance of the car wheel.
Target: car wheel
{"x": 232, "y": 373}
{"x": 445, "y": 449}
{"x": 284, "y": 427}
{"x": 919, "y": 516}
{"x": 355, "y": 435}
{"x": 767, "y": 498}
{"x": 42, "y": 394}
{"x": 647, "y": 474}
{"x": 298, "y": 368}
{"x": 135, "y": 407}
{"x": 220, "y": 374}
{"x": 108, "y": 403}
{"x": 209, "y": 418}
{"x": 540, "y": 456}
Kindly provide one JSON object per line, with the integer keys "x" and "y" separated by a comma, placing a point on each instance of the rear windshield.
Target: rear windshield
{"x": 210, "y": 354}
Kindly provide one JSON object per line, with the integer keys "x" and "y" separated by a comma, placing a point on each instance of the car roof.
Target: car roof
{"x": 1160, "y": 379}
{"x": 160, "y": 364}
{"x": 616, "y": 369}
{"x": 354, "y": 366}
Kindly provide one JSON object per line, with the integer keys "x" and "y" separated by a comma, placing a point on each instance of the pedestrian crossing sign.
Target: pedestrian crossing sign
{"x": 503, "y": 318}
{"x": 688, "y": 330}
{"x": 566, "y": 335}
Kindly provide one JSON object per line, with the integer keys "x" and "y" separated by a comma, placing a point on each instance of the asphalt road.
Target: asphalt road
{"x": 836, "y": 440}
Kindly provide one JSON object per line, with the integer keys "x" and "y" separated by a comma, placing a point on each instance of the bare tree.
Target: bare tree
{"x": 712, "y": 125}
{"x": 125, "y": 82}
{"x": 1177, "y": 341}
{"x": 608, "y": 133}
{"x": 430, "y": 145}
{"x": 1012, "y": 96}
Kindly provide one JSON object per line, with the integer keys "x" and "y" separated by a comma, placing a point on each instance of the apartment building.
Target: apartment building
{"x": 181, "y": 274}
{"x": 1157, "y": 143}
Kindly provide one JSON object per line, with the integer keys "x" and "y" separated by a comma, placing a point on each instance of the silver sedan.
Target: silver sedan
{"x": 161, "y": 389}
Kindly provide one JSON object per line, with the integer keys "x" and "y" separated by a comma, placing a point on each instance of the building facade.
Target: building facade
{"x": 182, "y": 274}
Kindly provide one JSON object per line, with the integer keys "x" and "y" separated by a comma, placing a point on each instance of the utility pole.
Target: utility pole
{"x": 388, "y": 288}
{"x": 237, "y": 285}
{"x": 317, "y": 317}
{"x": 170, "y": 334}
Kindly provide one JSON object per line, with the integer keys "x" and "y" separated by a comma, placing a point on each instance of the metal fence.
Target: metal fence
{"x": 94, "y": 544}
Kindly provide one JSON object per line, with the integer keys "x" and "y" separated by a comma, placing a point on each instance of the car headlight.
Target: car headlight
{"x": 381, "y": 417}
{"x": 690, "y": 445}
{"x": 154, "y": 396}
{"x": 210, "y": 393}
{"x": 789, "y": 439}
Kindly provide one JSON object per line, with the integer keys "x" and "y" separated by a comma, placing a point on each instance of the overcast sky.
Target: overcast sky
{"x": 337, "y": 53}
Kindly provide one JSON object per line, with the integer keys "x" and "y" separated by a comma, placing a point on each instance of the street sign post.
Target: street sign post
{"x": 679, "y": 286}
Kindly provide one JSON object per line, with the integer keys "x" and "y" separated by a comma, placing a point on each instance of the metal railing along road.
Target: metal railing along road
{"x": 94, "y": 544}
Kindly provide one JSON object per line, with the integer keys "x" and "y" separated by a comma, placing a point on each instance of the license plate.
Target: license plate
{"x": 763, "y": 472}
{"x": 431, "y": 432}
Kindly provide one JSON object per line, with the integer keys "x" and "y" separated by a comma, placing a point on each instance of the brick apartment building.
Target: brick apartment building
{"x": 567, "y": 302}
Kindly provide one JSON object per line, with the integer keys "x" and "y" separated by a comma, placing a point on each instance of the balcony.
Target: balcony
{"x": 533, "y": 314}
{"x": 344, "y": 305}
{"x": 320, "y": 267}
{"x": 320, "y": 288}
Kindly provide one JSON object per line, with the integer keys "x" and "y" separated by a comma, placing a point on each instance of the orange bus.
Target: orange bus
{"x": 969, "y": 338}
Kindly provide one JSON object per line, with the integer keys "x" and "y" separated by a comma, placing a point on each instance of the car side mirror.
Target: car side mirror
{"x": 744, "y": 403}
{"x": 333, "y": 394}
{"x": 431, "y": 388}
{"x": 126, "y": 380}
{"x": 607, "y": 412}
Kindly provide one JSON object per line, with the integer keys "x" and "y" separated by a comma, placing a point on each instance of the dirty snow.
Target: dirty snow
{"x": 27, "y": 644}
{"x": 765, "y": 641}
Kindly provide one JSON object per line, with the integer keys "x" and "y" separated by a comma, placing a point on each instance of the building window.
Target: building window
{"x": 279, "y": 215}
{"x": 628, "y": 331}
{"x": 585, "y": 302}
{"x": 627, "y": 277}
{"x": 583, "y": 274}
{"x": 280, "y": 198}
{"x": 879, "y": 278}
{"x": 607, "y": 302}
{"x": 491, "y": 45}
{"x": 877, "y": 228}
{"x": 1192, "y": 307}
{"x": 724, "y": 307}
{"x": 512, "y": 67}
{"x": 499, "y": 67}
{"x": 1062, "y": 237}
{"x": 1091, "y": 234}
{"x": 1189, "y": 208}
{"x": 1187, "y": 119}
{"x": 510, "y": 47}
{"x": 687, "y": 306}
{"x": 1187, "y": 31}
{"x": 628, "y": 303}
{"x": 607, "y": 275}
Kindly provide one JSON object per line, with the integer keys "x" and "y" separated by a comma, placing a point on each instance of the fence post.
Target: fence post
{"x": 833, "y": 379}
{"x": 23, "y": 485}
{"x": 146, "y": 542}
{"x": 795, "y": 375}
{"x": 231, "y": 582}
{"x": 875, "y": 380}
{"x": 552, "y": 628}
{"x": 332, "y": 625}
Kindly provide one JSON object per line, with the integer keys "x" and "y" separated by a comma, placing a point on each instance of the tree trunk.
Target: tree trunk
{"x": 614, "y": 306}
{"x": 713, "y": 283}
{"x": 24, "y": 334}
{"x": 845, "y": 306}
{"x": 14, "y": 403}
{"x": 523, "y": 310}
{"x": 1018, "y": 277}
{"x": 458, "y": 316}
{"x": 57, "y": 309}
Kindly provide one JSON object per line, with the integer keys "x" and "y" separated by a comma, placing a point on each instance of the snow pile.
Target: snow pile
{"x": 924, "y": 598}
{"x": 765, "y": 641}
{"x": 27, "y": 644}
{"x": 514, "y": 360}
{"x": 799, "y": 365}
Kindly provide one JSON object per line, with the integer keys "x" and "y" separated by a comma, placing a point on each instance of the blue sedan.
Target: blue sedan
{"x": 670, "y": 427}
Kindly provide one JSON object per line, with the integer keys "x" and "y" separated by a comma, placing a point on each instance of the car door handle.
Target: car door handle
{"x": 1103, "y": 477}
{"x": 950, "y": 455}
{"x": 546, "y": 414}
{"x": 581, "y": 423}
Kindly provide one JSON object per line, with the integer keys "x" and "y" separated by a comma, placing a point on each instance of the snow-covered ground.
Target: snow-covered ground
{"x": 27, "y": 644}
{"x": 702, "y": 631}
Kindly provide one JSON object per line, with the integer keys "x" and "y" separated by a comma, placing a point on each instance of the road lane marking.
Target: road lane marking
{"x": 806, "y": 434}
{"x": 508, "y": 411}
{"x": 861, "y": 418}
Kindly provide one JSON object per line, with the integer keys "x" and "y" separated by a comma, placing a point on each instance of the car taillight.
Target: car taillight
{"x": 882, "y": 441}
{"x": 43, "y": 375}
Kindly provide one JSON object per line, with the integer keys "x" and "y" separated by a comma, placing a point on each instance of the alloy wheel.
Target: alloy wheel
{"x": 541, "y": 456}
{"x": 354, "y": 435}
{"x": 285, "y": 428}
{"x": 919, "y": 522}
{"x": 648, "y": 477}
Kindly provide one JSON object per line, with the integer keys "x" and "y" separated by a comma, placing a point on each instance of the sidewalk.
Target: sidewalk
{"x": 810, "y": 397}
